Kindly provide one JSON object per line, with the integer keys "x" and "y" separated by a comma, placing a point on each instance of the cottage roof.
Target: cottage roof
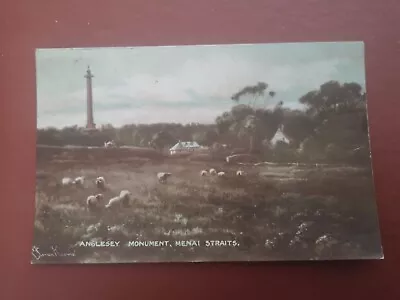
{"x": 280, "y": 136}
{"x": 185, "y": 145}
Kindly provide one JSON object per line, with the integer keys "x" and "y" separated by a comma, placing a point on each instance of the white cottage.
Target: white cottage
{"x": 184, "y": 147}
{"x": 279, "y": 137}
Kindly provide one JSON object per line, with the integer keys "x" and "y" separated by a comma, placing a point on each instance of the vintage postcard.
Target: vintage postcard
{"x": 205, "y": 153}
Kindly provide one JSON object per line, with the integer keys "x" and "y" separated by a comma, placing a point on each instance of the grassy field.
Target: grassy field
{"x": 273, "y": 213}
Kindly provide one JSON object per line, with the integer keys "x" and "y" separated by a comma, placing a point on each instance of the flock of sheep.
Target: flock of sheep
{"x": 162, "y": 176}
{"x": 220, "y": 174}
{"x": 94, "y": 202}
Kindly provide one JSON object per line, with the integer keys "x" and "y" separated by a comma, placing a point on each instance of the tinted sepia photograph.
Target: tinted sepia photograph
{"x": 203, "y": 153}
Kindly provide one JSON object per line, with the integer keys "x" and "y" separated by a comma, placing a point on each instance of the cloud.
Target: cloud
{"x": 221, "y": 77}
{"x": 303, "y": 75}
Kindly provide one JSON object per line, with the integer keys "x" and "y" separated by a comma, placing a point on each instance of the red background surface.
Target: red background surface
{"x": 26, "y": 25}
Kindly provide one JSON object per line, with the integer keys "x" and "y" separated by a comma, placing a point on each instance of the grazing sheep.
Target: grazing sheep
{"x": 90, "y": 200}
{"x": 100, "y": 182}
{"x": 121, "y": 200}
{"x": 93, "y": 201}
{"x": 125, "y": 196}
{"x": 114, "y": 202}
{"x": 221, "y": 174}
{"x": 213, "y": 172}
{"x": 124, "y": 193}
{"x": 162, "y": 176}
{"x": 79, "y": 181}
{"x": 239, "y": 173}
{"x": 66, "y": 181}
{"x": 203, "y": 173}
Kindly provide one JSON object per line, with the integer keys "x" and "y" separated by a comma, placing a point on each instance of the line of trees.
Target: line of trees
{"x": 331, "y": 127}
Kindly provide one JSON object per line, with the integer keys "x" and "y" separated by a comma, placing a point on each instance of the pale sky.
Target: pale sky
{"x": 183, "y": 83}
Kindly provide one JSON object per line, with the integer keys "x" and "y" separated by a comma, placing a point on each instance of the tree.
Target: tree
{"x": 271, "y": 120}
{"x": 255, "y": 91}
{"x": 162, "y": 139}
{"x": 252, "y": 126}
{"x": 334, "y": 97}
{"x": 244, "y": 125}
{"x": 207, "y": 137}
{"x": 49, "y": 136}
{"x": 334, "y": 122}
{"x": 297, "y": 125}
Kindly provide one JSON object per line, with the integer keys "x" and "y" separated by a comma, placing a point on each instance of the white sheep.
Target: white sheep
{"x": 203, "y": 173}
{"x": 162, "y": 176}
{"x": 79, "y": 180}
{"x": 221, "y": 174}
{"x": 121, "y": 200}
{"x": 90, "y": 200}
{"x": 213, "y": 172}
{"x": 113, "y": 202}
{"x": 66, "y": 181}
{"x": 239, "y": 173}
{"x": 100, "y": 182}
{"x": 125, "y": 196}
{"x": 93, "y": 201}
{"x": 125, "y": 193}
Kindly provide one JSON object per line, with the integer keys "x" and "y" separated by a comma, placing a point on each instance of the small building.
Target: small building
{"x": 279, "y": 137}
{"x": 184, "y": 147}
